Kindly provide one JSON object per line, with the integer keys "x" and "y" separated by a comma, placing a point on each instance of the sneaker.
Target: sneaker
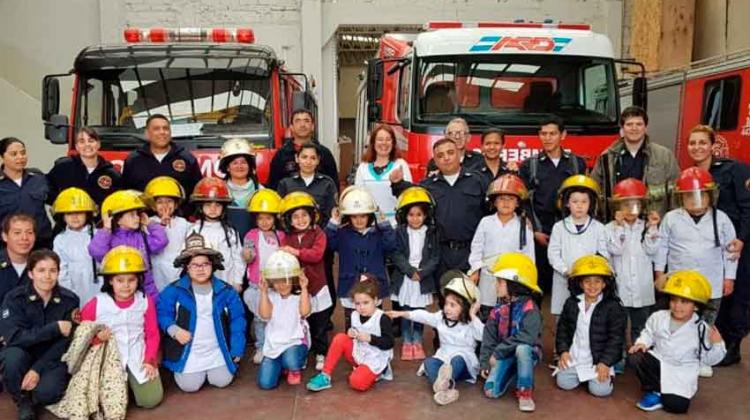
{"x": 525, "y": 401}
{"x": 444, "y": 378}
{"x": 294, "y": 377}
{"x": 418, "y": 352}
{"x": 706, "y": 371}
{"x": 446, "y": 397}
{"x": 407, "y": 351}
{"x": 319, "y": 361}
{"x": 258, "y": 357}
{"x": 650, "y": 401}
{"x": 319, "y": 382}
{"x": 420, "y": 370}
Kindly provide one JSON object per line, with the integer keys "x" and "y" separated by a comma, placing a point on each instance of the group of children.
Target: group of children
{"x": 490, "y": 324}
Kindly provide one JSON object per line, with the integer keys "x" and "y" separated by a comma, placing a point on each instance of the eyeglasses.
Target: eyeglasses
{"x": 195, "y": 266}
{"x": 456, "y": 134}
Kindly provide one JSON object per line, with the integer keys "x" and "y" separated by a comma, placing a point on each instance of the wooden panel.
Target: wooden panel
{"x": 662, "y": 33}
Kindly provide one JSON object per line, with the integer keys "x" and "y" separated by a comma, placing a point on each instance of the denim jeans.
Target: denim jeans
{"x": 291, "y": 359}
{"x": 259, "y": 329}
{"x": 460, "y": 371}
{"x": 519, "y": 366}
{"x": 411, "y": 331}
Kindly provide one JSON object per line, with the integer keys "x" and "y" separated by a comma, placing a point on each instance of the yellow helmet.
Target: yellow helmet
{"x": 122, "y": 201}
{"x": 123, "y": 259}
{"x": 591, "y": 265}
{"x": 357, "y": 200}
{"x": 281, "y": 265}
{"x": 265, "y": 201}
{"x": 298, "y": 199}
{"x": 163, "y": 186}
{"x": 414, "y": 195}
{"x": 73, "y": 200}
{"x": 464, "y": 287}
{"x": 688, "y": 284}
{"x": 234, "y": 147}
{"x": 518, "y": 268}
{"x": 579, "y": 181}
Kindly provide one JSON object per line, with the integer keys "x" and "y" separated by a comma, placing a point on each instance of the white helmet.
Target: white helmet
{"x": 357, "y": 200}
{"x": 282, "y": 265}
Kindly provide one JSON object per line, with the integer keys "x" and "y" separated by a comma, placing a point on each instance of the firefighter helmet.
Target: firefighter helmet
{"x": 688, "y": 284}
{"x": 693, "y": 182}
{"x": 579, "y": 182}
{"x": 265, "y": 201}
{"x": 123, "y": 259}
{"x": 282, "y": 266}
{"x": 508, "y": 184}
{"x": 209, "y": 190}
{"x": 122, "y": 201}
{"x": 297, "y": 200}
{"x": 232, "y": 148}
{"x": 73, "y": 200}
{"x": 518, "y": 268}
{"x": 357, "y": 200}
{"x": 591, "y": 265}
{"x": 629, "y": 189}
{"x": 462, "y": 285}
{"x": 414, "y": 195}
{"x": 163, "y": 186}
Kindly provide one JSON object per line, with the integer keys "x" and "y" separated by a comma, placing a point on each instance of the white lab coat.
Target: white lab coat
{"x": 379, "y": 185}
{"x": 76, "y": 264}
{"x": 686, "y": 245}
{"x": 164, "y": 270}
{"x": 492, "y": 239}
{"x": 234, "y": 266}
{"x": 678, "y": 352}
{"x": 632, "y": 261}
{"x": 565, "y": 248}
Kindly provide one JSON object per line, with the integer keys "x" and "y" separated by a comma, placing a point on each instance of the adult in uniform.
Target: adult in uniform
{"x": 160, "y": 157}
{"x": 543, "y": 174}
{"x": 733, "y": 178}
{"x": 458, "y": 131}
{"x": 35, "y": 326}
{"x": 284, "y": 164}
{"x": 18, "y": 232}
{"x": 86, "y": 170}
{"x": 492, "y": 166}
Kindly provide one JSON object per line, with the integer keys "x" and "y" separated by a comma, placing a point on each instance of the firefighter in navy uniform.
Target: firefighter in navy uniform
{"x": 36, "y": 323}
{"x": 160, "y": 157}
{"x": 543, "y": 174}
{"x": 458, "y": 131}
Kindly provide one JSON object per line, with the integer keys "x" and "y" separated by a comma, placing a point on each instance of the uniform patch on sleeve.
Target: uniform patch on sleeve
{"x": 6, "y": 313}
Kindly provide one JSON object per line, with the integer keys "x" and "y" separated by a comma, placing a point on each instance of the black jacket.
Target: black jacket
{"x": 29, "y": 198}
{"x": 9, "y": 278}
{"x": 322, "y": 188}
{"x": 427, "y": 267}
{"x": 733, "y": 178}
{"x": 26, "y": 323}
{"x": 606, "y": 330}
{"x": 69, "y": 171}
{"x": 283, "y": 164}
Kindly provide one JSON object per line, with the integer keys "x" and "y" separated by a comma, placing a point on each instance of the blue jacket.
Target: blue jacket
{"x": 29, "y": 198}
{"x": 360, "y": 253}
{"x": 177, "y": 306}
{"x": 9, "y": 278}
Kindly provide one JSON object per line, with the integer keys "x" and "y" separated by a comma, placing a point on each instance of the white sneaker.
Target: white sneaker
{"x": 706, "y": 371}
{"x": 258, "y": 357}
{"x": 319, "y": 361}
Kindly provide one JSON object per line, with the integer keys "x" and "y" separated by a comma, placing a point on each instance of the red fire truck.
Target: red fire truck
{"x": 493, "y": 74}
{"x": 714, "y": 92}
{"x": 213, "y": 84}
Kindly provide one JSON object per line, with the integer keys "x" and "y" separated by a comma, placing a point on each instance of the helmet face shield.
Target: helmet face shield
{"x": 281, "y": 281}
{"x": 695, "y": 201}
{"x": 633, "y": 206}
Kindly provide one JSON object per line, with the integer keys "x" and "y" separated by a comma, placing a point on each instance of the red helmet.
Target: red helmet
{"x": 508, "y": 184}
{"x": 629, "y": 188}
{"x": 695, "y": 179}
{"x": 211, "y": 189}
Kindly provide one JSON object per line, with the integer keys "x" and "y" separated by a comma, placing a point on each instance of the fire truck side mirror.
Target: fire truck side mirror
{"x": 640, "y": 92}
{"x": 50, "y": 97}
{"x": 56, "y": 129}
{"x": 374, "y": 80}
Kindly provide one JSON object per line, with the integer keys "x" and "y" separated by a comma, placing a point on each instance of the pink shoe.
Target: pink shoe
{"x": 294, "y": 377}
{"x": 407, "y": 352}
{"x": 418, "y": 352}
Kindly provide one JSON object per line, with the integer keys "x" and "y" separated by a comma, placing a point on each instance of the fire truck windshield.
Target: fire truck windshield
{"x": 516, "y": 90}
{"x": 205, "y": 105}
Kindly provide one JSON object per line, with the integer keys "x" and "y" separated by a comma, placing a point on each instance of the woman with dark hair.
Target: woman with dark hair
{"x": 86, "y": 170}
{"x": 23, "y": 190}
{"x": 36, "y": 323}
{"x": 733, "y": 179}
{"x": 380, "y": 159}
{"x": 237, "y": 162}
{"x": 19, "y": 234}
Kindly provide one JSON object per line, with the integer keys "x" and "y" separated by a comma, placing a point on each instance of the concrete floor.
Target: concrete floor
{"x": 409, "y": 397}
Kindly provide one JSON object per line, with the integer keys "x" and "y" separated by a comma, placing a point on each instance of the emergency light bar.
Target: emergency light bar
{"x": 547, "y": 24}
{"x": 158, "y": 35}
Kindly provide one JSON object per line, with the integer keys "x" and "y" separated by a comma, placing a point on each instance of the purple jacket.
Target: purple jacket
{"x": 104, "y": 240}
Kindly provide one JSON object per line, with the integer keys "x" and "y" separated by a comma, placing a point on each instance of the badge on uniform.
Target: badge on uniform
{"x": 104, "y": 182}
{"x": 56, "y": 299}
{"x": 6, "y": 314}
{"x": 178, "y": 165}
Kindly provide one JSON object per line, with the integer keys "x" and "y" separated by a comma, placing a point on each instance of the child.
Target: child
{"x": 674, "y": 342}
{"x": 504, "y": 231}
{"x": 237, "y": 162}
{"x": 460, "y": 329}
{"x": 74, "y": 210}
{"x": 415, "y": 262}
{"x": 632, "y": 244}
{"x": 574, "y": 236}
{"x": 164, "y": 195}
{"x": 696, "y": 237}
{"x": 306, "y": 241}
{"x": 211, "y": 197}
{"x": 511, "y": 344}
{"x": 591, "y": 329}
{"x": 361, "y": 243}
{"x": 367, "y": 344}
{"x": 125, "y": 223}
{"x": 260, "y": 243}
{"x": 203, "y": 320}
{"x": 130, "y": 320}
{"x": 287, "y": 334}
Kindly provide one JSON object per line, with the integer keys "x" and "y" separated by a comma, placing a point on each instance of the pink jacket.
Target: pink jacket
{"x": 253, "y": 267}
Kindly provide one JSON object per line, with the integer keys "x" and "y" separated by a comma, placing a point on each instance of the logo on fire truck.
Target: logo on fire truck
{"x": 520, "y": 43}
